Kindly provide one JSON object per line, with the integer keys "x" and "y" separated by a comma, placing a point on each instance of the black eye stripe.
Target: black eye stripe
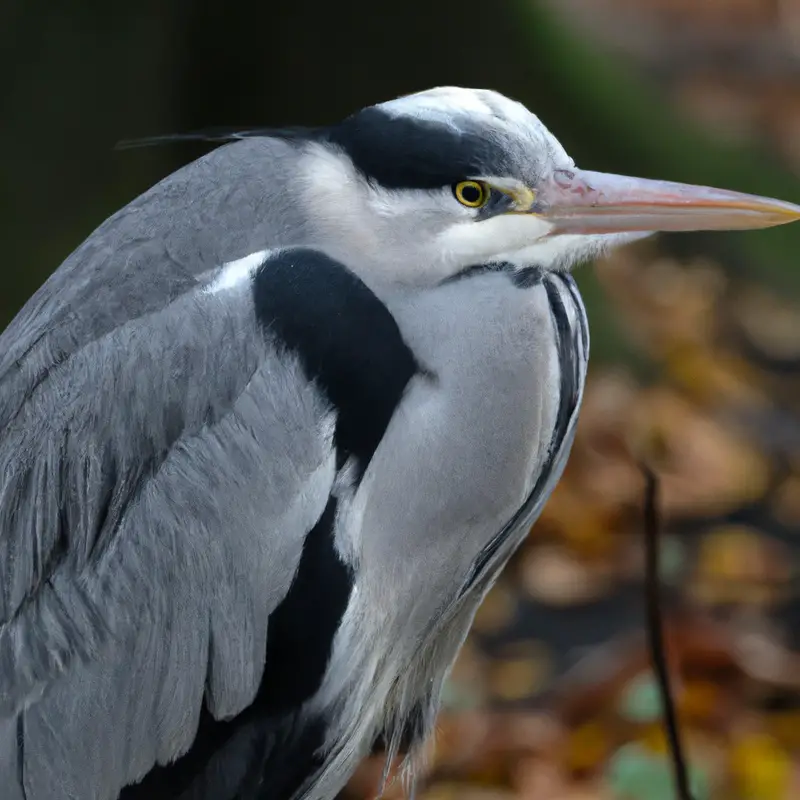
{"x": 408, "y": 153}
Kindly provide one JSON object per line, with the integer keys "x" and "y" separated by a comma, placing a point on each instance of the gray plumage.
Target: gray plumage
{"x": 114, "y": 558}
{"x": 164, "y": 455}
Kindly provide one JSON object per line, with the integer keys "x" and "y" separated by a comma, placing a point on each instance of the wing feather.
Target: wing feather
{"x": 156, "y": 488}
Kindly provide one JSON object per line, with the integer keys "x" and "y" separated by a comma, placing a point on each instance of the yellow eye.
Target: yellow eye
{"x": 472, "y": 194}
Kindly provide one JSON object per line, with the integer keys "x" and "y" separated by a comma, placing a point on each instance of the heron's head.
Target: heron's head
{"x": 418, "y": 189}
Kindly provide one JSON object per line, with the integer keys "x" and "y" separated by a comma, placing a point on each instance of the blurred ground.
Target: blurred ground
{"x": 552, "y": 698}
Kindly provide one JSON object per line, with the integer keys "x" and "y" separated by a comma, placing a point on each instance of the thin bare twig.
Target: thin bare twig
{"x": 655, "y": 631}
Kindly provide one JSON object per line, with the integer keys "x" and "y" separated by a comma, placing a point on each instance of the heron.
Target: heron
{"x": 271, "y": 432}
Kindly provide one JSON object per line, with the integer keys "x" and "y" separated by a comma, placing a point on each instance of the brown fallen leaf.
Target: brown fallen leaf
{"x": 737, "y": 565}
{"x": 551, "y": 575}
{"x": 707, "y": 469}
{"x": 520, "y": 671}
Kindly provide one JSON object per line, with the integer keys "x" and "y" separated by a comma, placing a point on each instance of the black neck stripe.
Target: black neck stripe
{"x": 345, "y": 338}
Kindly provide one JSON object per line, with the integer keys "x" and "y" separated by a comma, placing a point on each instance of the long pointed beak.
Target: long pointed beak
{"x": 577, "y": 201}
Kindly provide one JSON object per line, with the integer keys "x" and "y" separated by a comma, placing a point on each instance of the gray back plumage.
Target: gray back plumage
{"x": 128, "y": 596}
{"x": 123, "y": 388}
{"x": 230, "y": 203}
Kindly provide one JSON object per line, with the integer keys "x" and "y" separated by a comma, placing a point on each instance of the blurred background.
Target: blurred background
{"x": 696, "y": 339}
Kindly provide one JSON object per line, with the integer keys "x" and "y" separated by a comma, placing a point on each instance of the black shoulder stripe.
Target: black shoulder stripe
{"x": 350, "y": 344}
{"x": 345, "y": 337}
{"x": 302, "y": 628}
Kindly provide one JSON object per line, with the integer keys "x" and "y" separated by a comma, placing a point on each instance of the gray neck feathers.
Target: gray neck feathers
{"x": 484, "y": 343}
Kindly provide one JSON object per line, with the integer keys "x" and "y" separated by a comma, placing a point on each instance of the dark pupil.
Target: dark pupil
{"x": 471, "y": 193}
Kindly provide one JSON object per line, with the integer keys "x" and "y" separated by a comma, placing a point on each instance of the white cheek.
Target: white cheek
{"x": 567, "y": 250}
{"x": 548, "y": 252}
{"x": 470, "y": 242}
{"x": 412, "y": 205}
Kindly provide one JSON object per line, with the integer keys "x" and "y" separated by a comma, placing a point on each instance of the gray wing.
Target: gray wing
{"x": 155, "y": 491}
{"x": 216, "y": 209}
